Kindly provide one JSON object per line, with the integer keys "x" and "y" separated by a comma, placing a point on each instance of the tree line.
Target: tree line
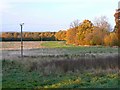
{"x": 88, "y": 33}
{"x": 79, "y": 33}
{"x": 28, "y": 36}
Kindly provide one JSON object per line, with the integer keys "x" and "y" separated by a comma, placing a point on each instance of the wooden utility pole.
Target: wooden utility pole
{"x": 21, "y": 26}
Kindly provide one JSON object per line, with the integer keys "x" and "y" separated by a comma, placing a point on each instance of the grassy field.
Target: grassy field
{"x": 59, "y": 74}
{"x": 79, "y": 49}
{"x": 58, "y": 65}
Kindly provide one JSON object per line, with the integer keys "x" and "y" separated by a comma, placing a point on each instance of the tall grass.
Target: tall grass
{"x": 49, "y": 71}
{"x": 65, "y": 64}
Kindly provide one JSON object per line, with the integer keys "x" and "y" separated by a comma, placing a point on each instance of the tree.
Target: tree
{"x": 60, "y": 35}
{"x": 102, "y": 23}
{"x": 72, "y": 31}
{"x": 111, "y": 39}
{"x": 15, "y": 36}
{"x": 71, "y": 35}
{"x": 117, "y": 26}
{"x": 36, "y": 36}
{"x": 84, "y": 29}
{"x": 102, "y": 29}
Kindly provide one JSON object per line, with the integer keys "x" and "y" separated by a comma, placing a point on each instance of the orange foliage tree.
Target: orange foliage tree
{"x": 83, "y": 30}
{"x": 111, "y": 39}
{"x": 70, "y": 36}
{"x": 60, "y": 35}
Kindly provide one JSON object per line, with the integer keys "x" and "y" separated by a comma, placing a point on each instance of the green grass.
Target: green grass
{"x": 79, "y": 49}
{"x": 16, "y": 76}
{"x": 55, "y": 44}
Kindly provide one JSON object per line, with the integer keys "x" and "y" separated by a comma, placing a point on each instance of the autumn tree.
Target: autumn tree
{"x": 111, "y": 39}
{"x": 103, "y": 28}
{"x": 83, "y": 30}
{"x": 36, "y": 36}
{"x": 61, "y": 35}
{"x": 72, "y": 31}
{"x": 15, "y": 35}
{"x": 96, "y": 37}
{"x": 71, "y": 35}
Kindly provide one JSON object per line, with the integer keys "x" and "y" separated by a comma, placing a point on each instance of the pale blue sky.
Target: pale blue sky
{"x": 52, "y": 15}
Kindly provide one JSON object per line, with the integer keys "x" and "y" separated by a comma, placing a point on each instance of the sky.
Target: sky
{"x": 52, "y": 15}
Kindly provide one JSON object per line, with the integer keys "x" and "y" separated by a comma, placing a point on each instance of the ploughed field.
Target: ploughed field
{"x": 54, "y": 64}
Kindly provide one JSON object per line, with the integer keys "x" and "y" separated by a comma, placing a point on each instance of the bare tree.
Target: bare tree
{"x": 102, "y": 23}
{"x": 75, "y": 24}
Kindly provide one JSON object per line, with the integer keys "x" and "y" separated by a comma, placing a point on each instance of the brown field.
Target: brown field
{"x": 17, "y": 45}
{"x": 11, "y": 50}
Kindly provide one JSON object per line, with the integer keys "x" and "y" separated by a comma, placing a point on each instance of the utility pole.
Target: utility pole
{"x": 41, "y": 36}
{"x": 21, "y": 26}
